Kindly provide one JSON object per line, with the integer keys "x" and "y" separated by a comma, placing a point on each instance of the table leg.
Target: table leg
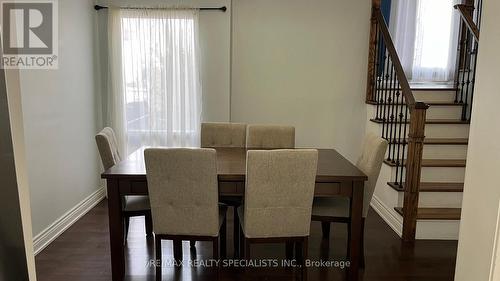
{"x": 116, "y": 230}
{"x": 356, "y": 222}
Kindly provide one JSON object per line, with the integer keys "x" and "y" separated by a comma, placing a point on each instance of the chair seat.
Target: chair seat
{"x": 134, "y": 203}
{"x": 331, "y": 207}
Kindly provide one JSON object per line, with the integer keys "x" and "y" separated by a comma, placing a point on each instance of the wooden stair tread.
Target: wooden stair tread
{"x": 433, "y": 186}
{"x": 430, "y": 103}
{"x": 440, "y": 141}
{"x": 437, "y": 88}
{"x": 435, "y": 163}
{"x": 428, "y": 121}
{"x": 435, "y": 213}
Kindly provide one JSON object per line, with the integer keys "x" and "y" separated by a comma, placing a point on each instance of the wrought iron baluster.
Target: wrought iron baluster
{"x": 385, "y": 77}
{"x": 376, "y": 76}
{"x": 473, "y": 81}
{"x": 465, "y": 51}
{"x": 466, "y": 82}
{"x": 397, "y": 124}
{"x": 402, "y": 106}
{"x": 391, "y": 111}
{"x": 404, "y": 145}
{"x": 459, "y": 61}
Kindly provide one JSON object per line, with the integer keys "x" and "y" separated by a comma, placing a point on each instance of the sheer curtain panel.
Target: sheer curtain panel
{"x": 154, "y": 77}
{"x": 425, "y": 33}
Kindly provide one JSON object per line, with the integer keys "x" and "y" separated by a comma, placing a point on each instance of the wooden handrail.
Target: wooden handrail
{"x": 387, "y": 85}
{"x": 466, "y": 16}
{"x": 400, "y": 74}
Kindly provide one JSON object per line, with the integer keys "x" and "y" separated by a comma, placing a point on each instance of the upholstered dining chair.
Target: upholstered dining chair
{"x": 270, "y": 137}
{"x": 278, "y": 199}
{"x": 220, "y": 135}
{"x": 183, "y": 188}
{"x": 132, "y": 205}
{"x": 215, "y": 135}
{"x": 337, "y": 209}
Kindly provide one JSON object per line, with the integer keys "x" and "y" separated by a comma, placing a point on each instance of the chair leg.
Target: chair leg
{"x": 299, "y": 254}
{"x": 348, "y": 240}
{"x": 241, "y": 242}
{"x": 215, "y": 253}
{"x": 149, "y": 224}
{"x": 246, "y": 242}
{"x": 305, "y": 253}
{"x": 289, "y": 250}
{"x": 223, "y": 234}
{"x": 362, "y": 256}
{"x": 126, "y": 221}
{"x": 177, "y": 250}
{"x": 215, "y": 248}
{"x": 158, "y": 258}
{"x": 325, "y": 229}
{"x": 236, "y": 233}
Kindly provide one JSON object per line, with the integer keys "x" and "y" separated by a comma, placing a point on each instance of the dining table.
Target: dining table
{"x": 336, "y": 176}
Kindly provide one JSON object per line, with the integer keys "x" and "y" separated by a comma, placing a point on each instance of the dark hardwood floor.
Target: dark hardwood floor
{"x": 82, "y": 253}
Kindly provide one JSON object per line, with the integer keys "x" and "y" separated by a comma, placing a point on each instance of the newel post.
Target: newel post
{"x": 413, "y": 170}
{"x": 370, "y": 81}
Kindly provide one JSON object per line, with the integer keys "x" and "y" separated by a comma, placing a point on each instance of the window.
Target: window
{"x": 161, "y": 86}
{"x": 426, "y": 35}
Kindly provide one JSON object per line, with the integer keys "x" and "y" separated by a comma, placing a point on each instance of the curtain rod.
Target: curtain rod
{"x": 222, "y": 9}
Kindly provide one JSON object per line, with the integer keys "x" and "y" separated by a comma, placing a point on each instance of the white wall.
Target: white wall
{"x": 302, "y": 63}
{"x": 482, "y": 188}
{"x": 60, "y": 120}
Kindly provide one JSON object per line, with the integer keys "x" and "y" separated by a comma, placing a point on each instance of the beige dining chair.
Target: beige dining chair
{"x": 278, "y": 198}
{"x": 270, "y": 137}
{"x": 337, "y": 209}
{"x": 132, "y": 205}
{"x": 225, "y": 135}
{"x": 183, "y": 188}
{"x": 215, "y": 135}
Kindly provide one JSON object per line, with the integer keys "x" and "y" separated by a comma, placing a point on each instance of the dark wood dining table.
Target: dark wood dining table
{"x": 336, "y": 176}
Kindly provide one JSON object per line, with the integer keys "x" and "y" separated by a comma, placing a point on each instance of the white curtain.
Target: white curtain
{"x": 425, "y": 34}
{"x": 154, "y": 79}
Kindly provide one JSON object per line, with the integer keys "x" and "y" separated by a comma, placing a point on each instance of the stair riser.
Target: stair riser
{"x": 435, "y": 174}
{"x": 447, "y": 130}
{"x": 442, "y": 174}
{"x": 428, "y": 96}
{"x": 436, "y": 199}
{"x": 431, "y": 130}
{"x": 435, "y": 152}
{"x": 444, "y": 112}
{"x": 438, "y": 230}
{"x": 434, "y": 112}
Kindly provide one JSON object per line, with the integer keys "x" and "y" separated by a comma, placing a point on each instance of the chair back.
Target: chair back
{"x": 370, "y": 162}
{"x": 183, "y": 191}
{"x": 223, "y": 135}
{"x": 270, "y": 137}
{"x": 108, "y": 147}
{"x": 279, "y": 192}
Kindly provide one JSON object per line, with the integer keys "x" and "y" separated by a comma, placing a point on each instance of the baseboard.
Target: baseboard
{"x": 387, "y": 215}
{"x": 44, "y": 238}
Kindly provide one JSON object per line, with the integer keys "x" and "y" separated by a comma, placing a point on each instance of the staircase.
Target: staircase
{"x": 442, "y": 168}
{"x": 419, "y": 191}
